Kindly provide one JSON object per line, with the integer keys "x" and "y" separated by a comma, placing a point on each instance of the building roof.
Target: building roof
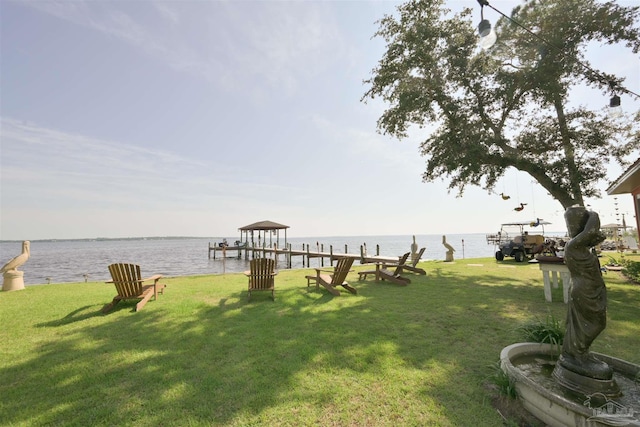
{"x": 264, "y": 225}
{"x": 611, "y": 225}
{"x": 627, "y": 182}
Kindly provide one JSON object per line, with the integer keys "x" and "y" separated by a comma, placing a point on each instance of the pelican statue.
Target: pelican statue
{"x": 450, "y": 250}
{"x": 16, "y": 262}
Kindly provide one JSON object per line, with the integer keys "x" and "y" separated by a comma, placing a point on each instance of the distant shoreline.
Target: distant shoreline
{"x": 105, "y": 239}
{"x": 214, "y": 238}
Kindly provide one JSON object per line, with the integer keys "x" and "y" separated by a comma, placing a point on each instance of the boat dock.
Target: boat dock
{"x": 244, "y": 250}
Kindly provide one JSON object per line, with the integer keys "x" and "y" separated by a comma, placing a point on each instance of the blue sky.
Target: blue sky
{"x": 194, "y": 118}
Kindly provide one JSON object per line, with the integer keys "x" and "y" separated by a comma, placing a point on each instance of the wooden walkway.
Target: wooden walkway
{"x": 306, "y": 253}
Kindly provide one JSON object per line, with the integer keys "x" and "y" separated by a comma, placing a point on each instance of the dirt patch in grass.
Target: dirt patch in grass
{"x": 511, "y": 410}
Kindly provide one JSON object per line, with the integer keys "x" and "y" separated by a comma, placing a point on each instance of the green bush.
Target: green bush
{"x": 502, "y": 381}
{"x": 631, "y": 269}
{"x": 549, "y": 331}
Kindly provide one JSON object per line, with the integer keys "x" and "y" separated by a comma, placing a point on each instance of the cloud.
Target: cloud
{"x": 371, "y": 146}
{"x": 40, "y": 164}
{"x": 238, "y": 46}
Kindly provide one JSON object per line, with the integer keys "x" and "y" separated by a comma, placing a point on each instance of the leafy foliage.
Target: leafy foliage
{"x": 502, "y": 381}
{"x": 507, "y": 107}
{"x": 631, "y": 269}
{"x": 549, "y": 331}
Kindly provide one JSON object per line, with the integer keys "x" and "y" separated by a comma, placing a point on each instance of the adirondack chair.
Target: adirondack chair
{"x": 384, "y": 272}
{"x": 414, "y": 262}
{"x": 330, "y": 279}
{"x": 130, "y": 285}
{"x": 261, "y": 276}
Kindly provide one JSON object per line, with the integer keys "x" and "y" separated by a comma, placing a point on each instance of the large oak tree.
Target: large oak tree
{"x": 507, "y": 106}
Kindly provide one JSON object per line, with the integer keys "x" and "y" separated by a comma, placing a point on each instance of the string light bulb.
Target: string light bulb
{"x": 488, "y": 36}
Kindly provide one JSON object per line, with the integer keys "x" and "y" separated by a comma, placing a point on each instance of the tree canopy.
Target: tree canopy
{"x": 507, "y": 106}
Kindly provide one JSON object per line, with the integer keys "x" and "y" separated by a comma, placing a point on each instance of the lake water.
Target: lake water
{"x": 66, "y": 261}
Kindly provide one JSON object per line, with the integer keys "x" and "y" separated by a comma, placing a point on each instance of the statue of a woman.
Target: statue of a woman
{"x": 587, "y": 307}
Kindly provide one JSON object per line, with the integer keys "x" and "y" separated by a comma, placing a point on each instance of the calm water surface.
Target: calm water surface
{"x": 64, "y": 261}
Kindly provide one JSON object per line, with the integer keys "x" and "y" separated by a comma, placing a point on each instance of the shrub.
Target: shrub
{"x": 549, "y": 331}
{"x": 502, "y": 381}
{"x": 631, "y": 269}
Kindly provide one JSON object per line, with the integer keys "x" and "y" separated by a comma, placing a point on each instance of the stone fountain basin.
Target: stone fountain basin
{"x": 556, "y": 406}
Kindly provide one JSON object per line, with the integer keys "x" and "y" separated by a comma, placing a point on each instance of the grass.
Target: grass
{"x": 202, "y": 355}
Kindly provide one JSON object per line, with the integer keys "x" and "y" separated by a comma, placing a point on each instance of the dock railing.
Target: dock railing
{"x": 307, "y": 253}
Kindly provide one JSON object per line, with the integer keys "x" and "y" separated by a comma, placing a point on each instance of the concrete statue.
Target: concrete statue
{"x": 414, "y": 250}
{"x": 450, "y": 250}
{"x": 587, "y": 306}
{"x": 13, "y": 278}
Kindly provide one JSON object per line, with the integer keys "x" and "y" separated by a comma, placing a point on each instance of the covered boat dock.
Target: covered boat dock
{"x": 253, "y": 240}
{"x": 263, "y": 228}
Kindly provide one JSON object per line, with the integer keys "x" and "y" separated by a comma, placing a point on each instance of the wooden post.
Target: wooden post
{"x": 377, "y": 250}
{"x": 275, "y": 253}
{"x": 331, "y": 255}
{"x": 322, "y": 257}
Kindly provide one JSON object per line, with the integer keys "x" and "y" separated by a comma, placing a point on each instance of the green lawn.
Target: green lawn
{"x": 203, "y": 355}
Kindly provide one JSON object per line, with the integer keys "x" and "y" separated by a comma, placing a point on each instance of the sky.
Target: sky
{"x": 195, "y": 118}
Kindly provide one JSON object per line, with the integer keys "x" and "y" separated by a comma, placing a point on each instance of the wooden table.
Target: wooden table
{"x": 364, "y": 273}
{"x": 556, "y": 269}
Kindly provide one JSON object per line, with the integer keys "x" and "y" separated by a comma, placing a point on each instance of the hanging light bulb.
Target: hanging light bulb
{"x": 615, "y": 110}
{"x": 488, "y": 37}
{"x": 615, "y": 101}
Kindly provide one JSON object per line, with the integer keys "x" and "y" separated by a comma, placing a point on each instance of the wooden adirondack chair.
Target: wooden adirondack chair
{"x": 261, "y": 276}
{"x": 384, "y": 273}
{"x": 414, "y": 262}
{"x": 330, "y": 279}
{"x": 130, "y": 285}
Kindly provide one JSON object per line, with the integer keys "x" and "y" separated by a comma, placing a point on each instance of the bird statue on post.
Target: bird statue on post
{"x": 17, "y": 261}
{"x": 450, "y": 250}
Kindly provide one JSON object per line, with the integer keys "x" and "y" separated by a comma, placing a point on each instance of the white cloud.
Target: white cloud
{"x": 240, "y": 46}
{"x": 71, "y": 167}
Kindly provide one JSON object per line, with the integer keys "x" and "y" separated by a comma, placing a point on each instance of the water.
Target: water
{"x": 68, "y": 261}
{"x": 539, "y": 369}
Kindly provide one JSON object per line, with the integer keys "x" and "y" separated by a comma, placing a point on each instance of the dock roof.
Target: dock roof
{"x": 264, "y": 225}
